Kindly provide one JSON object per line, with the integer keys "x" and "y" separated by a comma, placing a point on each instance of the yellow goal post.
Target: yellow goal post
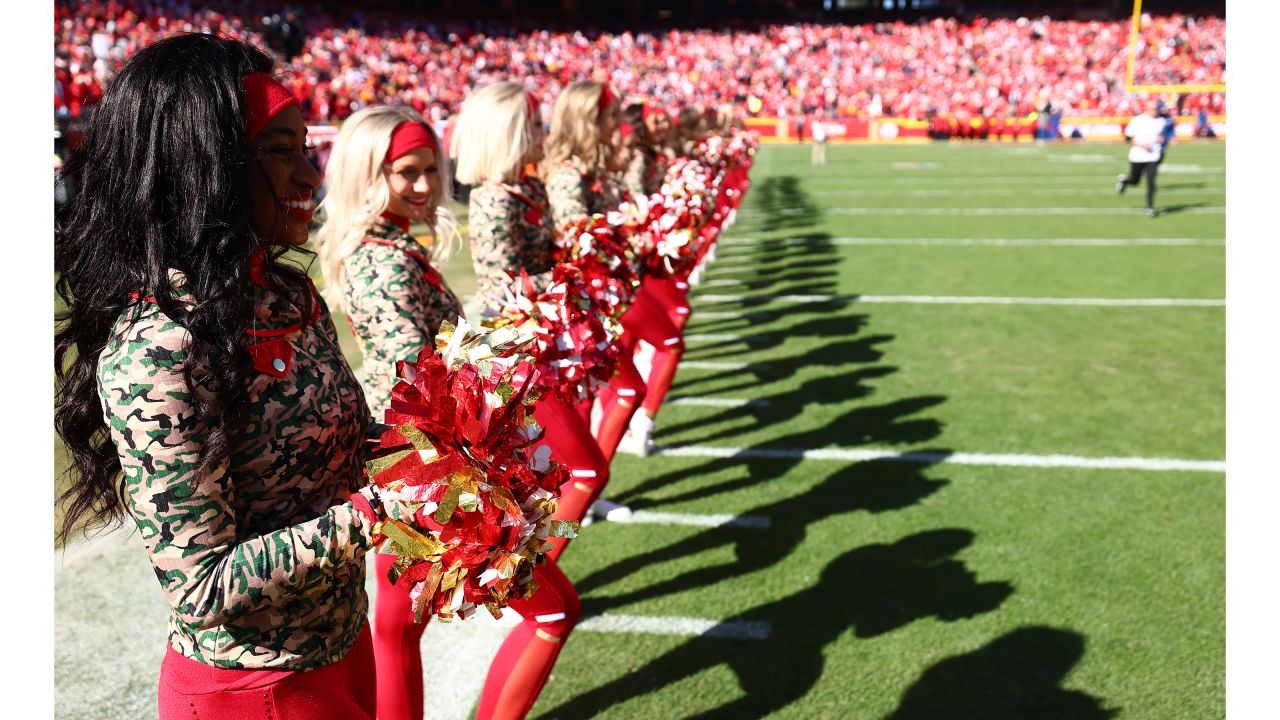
{"x": 1134, "y": 32}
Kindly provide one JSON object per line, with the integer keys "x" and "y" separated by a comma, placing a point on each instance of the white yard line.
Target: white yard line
{"x": 724, "y": 337}
{"x": 1026, "y": 242}
{"x": 645, "y": 517}
{"x": 674, "y": 625}
{"x": 958, "y": 458}
{"x": 717, "y": 402}
{"x": 970, "y": 300}
{"x": 718, "y": 315}
{"x": 1025, "y": 181}
{"x": 1135, "y": 211}
{"x": 995, "y": 242}
{"x": 721, "y": 365}
{"x": 1108, "y": 190}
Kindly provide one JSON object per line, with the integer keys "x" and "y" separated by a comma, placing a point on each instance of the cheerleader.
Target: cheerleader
{"x": 386, "y": 171}
{"x": 585, "y": 117}
{"x": 202, "y": 391}
{"x": 498, "y": 134}
{"x": 644, "y": 174}
{"x": 650, "y": 161}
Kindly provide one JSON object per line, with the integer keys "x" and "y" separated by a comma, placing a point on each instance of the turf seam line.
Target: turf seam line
{"x": 675, "y": 625}
{"x": 969, "y": 300}
{"x": 956, "y": 458}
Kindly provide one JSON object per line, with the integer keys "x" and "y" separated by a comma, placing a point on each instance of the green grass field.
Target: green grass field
{"x": 1001, "y": 571}
{"x": 932, "y": 589}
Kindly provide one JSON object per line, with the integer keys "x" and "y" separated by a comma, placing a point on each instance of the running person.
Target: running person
{"x": 385, "y": 172}
{"x": 206, "y": 379}
{"x": 1144, "y": 133}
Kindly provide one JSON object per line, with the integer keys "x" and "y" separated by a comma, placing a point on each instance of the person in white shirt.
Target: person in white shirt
{"x": 819, "y": 132}
{"x": 1146, "y": 134}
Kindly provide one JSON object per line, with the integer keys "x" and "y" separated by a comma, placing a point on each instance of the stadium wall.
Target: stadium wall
{"x": 907, "y": 130}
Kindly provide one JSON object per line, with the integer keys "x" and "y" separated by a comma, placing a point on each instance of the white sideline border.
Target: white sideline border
{"x": 962, "y": 300}
{"x": 956, "y": 458}
{"x": 674, "y": 625}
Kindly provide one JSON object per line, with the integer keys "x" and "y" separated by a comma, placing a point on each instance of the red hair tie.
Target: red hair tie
{"x": 264, "y": 98}
{"x": 606, "y": 97}
{"x": 409, "y": 136}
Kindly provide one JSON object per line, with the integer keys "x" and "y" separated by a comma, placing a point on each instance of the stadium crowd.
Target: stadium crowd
{"x": 990, "y": 67}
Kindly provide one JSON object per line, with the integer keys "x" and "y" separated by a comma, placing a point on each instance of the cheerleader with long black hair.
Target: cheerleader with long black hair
{"x": 202, "y": 390}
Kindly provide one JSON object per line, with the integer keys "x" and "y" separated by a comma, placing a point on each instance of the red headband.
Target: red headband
{"x": 264, "y": 97}
{"x": 606, "y": 97}
{"x": 408, "y": 136}
{"x": 648, "y": 110}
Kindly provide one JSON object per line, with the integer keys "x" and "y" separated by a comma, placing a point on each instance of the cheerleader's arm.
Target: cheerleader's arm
{"x": 493, "y": 220}
{"x": 185, "y": 513}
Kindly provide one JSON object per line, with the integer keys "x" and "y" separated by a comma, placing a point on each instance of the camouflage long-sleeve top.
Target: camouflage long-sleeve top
{"x": 510, "y": 228}
{"x": 574, "y": 189}
{"x": 644, "y": 174}
{"x": 616, "y": 190}
{"x": 395, "y": 303}
{"x": 260, "y": 557}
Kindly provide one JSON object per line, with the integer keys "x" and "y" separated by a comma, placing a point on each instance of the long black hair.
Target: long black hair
{"x": 165, "y": 184}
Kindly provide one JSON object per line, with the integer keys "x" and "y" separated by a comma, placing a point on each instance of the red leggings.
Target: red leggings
{"x": 344, "y": 690}
{"x": 672, "y": 299}
{"x": 569, "y": 437}
{"x": 646, "y": 320}
{"x": 397, "y": 643}
{"x": 524, "y": 661}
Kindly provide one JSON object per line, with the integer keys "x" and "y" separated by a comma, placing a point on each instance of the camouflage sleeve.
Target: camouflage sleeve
{"x": 393, "y": 312}
{"x": 493, "y": 221}
{"x": 633, "y": 178}
{"x": 186, "y": 518}
{"x": 567, "y": 194}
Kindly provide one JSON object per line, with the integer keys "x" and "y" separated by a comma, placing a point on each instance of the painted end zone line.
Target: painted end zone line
{"x": 929, "y": 458}
{"x": 669, "y": 625}
{"x": 970, "y": 300}
{"x": 645, "y": 517}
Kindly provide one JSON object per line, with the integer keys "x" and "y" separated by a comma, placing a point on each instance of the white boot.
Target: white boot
{"x": 611, "y": 511}
{"x": 638, "y": 439}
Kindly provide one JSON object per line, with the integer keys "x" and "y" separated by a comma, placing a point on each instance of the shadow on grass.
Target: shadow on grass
{"x": 1017, "y": 675}
{"x": 869, "y": 591}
